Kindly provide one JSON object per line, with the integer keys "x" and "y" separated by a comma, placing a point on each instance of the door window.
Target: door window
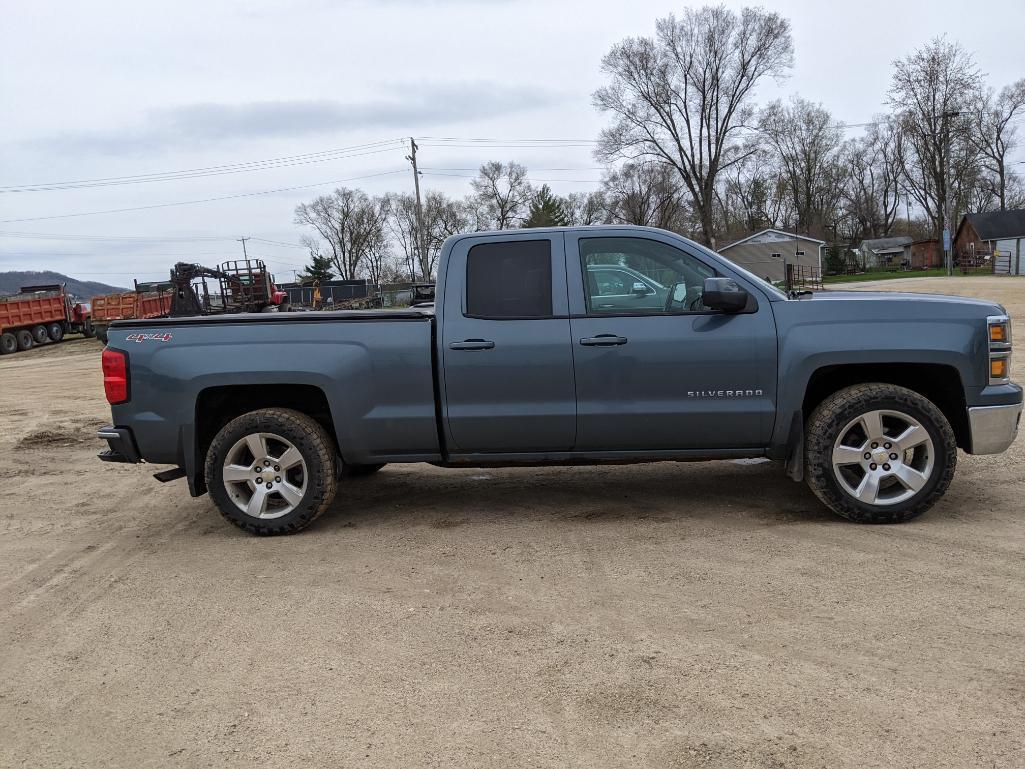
{"x": 512, "y": 279}
{"x": 640, "y": 276}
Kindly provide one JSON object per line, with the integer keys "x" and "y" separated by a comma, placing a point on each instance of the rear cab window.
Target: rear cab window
{"x": 510, "y": 279}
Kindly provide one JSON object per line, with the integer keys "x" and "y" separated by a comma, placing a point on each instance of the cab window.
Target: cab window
{"x": 640, "y": 276}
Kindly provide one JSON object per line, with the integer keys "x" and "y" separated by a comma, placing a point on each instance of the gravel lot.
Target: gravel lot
{"x": 695, "y": 615}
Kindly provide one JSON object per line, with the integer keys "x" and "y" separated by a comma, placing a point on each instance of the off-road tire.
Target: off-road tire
{"x": 100, "y": 332}
{"x": 8, "y": 343}
{"x": 360, "y": 471}
{"x": 87, "y": 330}
{"x": 307, "y": 436}
{"x": 39, "y": 335}
{"x": 838, "y": 410}
{"x": 55, "y": 331}
{"x": 24, "y": 337}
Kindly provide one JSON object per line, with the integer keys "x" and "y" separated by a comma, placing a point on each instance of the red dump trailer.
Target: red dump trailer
{"x": 39, "y": 315}
{"x": 129, "y": 305}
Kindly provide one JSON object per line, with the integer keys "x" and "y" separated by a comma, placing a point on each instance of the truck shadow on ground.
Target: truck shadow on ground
{"x": 422, "y": 495}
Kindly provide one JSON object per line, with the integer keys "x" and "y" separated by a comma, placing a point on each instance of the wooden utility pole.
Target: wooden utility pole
{"x": 948, "y": 198}
{"x": 420, "y": 240}
{"x": 243, "y": 242}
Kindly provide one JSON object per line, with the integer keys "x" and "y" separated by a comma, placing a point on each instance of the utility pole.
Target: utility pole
{"x": 420, "y": 239}
{"x": 948, "y": 203}
{"x": 243, "y": 242}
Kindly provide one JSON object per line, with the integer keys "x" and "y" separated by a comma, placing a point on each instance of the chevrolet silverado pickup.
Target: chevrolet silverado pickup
{"x": 575, "y": 345}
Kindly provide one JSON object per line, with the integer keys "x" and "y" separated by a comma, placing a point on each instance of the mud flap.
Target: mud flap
{"x": 795, "y": 448}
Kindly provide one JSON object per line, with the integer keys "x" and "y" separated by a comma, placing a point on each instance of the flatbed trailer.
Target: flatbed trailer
{"x": 40, "y": 315}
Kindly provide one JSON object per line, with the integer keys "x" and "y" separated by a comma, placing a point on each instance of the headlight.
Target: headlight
{"x": 999, "y": 331}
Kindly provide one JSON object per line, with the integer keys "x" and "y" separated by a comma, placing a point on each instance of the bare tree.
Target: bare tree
{"x": 350, "y": 223}
{"x": 754, "y": 195}
{"x": 442, "y": 217}
{"x": 649, "y": 194}
{"x": 806, "y": 140}
{"x": 931, "y": 88}
{"x": 587, "y": 208}
{"x": 996, "y": 134}
{"x": 501, "y": 194}
{"x": 682, "y": 97}
{"x": 871, "y": 194}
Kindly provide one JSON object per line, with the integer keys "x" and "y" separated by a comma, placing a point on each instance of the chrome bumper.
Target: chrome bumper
{"x": 993, "y": 427}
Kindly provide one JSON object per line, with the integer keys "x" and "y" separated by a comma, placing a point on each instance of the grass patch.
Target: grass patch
{"x": 936, "y": 272}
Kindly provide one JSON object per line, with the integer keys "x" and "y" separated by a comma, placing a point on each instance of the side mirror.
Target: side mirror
{"x": 723, "y": 294}
{"x": 639, "y": 289}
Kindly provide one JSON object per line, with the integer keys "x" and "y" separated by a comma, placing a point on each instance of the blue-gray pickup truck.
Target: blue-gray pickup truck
{"x": 570, "y": 345}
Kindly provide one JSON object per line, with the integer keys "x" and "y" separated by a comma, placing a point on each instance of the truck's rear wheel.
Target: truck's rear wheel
{"x": 100, "y": 332}
{"x": 24, "y": 337}
{"x": 87, "y": 329}
{"x": 39, "y": 335}
{"x": 271, "y": 471}
{"x": 879, "y": 453}
{"x": 55, "y": 331}
{"x": 8, "y": 343}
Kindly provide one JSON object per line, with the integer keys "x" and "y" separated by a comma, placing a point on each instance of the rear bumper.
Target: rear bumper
{"x": 994, "y": 428}
{"x": 121, "y": 445}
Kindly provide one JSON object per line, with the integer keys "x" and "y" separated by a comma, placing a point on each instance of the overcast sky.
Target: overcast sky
{"x": 115, "y": 89}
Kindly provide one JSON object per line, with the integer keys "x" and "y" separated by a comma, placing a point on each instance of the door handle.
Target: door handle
{"x": 603, "y": 340}
{"x": 472, "y": 344}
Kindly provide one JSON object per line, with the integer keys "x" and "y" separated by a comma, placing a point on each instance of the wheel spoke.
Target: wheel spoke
{"x": 290, "y": 458}
{"x": 258, "y": 503}
{"x": 873, "y": 424}
{"x": 291, "y": 494}
{"x": 847, "y": 455}
{"x": 257, "y": 445}
{"x": 910, "y": 477}
{"x": 915, "y": 435}
{"x": 868, "y": 489}
{"x": 236, "y": 473}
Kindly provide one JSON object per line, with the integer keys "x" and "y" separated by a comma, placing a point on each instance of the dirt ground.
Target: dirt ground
{"x": 664, "y": 615}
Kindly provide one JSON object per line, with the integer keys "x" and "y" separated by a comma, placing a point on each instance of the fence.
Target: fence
{"x": 801, "y": 277}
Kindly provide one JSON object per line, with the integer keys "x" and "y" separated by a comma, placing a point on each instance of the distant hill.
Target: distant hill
{"x": 11, "y": 283}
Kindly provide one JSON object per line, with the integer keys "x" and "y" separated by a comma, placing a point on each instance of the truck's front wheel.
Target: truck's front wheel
{"x": 271, "y": 471}
{"x": 879, "y": 453}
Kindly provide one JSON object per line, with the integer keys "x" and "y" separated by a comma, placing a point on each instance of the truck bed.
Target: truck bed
{"x": 373, "y": 370}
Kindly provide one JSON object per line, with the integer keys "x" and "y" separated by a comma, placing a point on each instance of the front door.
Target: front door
{"x": 506, "y": 353}
{"x": 655, "y": 369}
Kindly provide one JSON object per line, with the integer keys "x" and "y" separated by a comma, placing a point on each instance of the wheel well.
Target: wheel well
{"x": 216, "y": 406}
{"x": 940, "y": 384}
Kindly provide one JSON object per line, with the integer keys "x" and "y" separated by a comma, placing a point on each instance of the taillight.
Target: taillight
{"x": 115, "y": 376}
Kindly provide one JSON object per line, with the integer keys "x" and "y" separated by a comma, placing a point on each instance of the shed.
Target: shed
{"x": 883, "y": 252}
{"x": 765, "y": 253}
{"x": 996, "y": 234}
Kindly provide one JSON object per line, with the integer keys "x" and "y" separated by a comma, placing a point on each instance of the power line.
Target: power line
{"x": 340, "y": 153}
{"x": 195, "y": 202}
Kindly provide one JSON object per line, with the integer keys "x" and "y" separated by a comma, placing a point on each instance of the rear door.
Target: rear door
{"x": 504, "y": 336}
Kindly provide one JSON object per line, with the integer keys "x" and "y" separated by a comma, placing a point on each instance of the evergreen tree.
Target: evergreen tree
{"x": 546, "y": 210}
{"x": 318, "y": 270}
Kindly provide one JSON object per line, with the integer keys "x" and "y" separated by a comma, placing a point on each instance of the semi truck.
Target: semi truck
{"x": 39, "y": 315}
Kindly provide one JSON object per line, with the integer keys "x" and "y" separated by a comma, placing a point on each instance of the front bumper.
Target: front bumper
{"x": 994, "y": 428}
{"x": 121, "y": 443}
